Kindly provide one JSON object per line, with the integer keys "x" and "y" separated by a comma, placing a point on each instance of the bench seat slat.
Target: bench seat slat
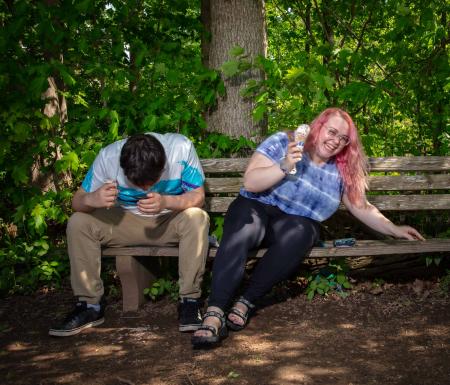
{"x": 413, "y": 163}
{"x": 362, "y": 248}
{"x": 382, "y": 202}
{"x": 376, "y": 183}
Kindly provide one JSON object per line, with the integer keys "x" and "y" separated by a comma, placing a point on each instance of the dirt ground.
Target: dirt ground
{"x": 396, "y": 334}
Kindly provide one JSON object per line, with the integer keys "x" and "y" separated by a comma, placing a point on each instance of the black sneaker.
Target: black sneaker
{"x": 189, "y": 315}
{"x": 82, "y": 317}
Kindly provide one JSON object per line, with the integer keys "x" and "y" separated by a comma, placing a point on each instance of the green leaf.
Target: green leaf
{"x": 38, "y": 214}
{"x": 22, "y": 132}
{"x": 20, "y": 174}
{"x": 233, "y": 375}
{"x": 294, "y": 73}
{"x": 114, "y": 125}
{"x": 258, "y": 113}
{"x": 347, "y": 285}
{"x": 67, "y": 78}
{"x": 154, "y": 291}
{"x": 230, "y": 68}
{"x": 341, "y": 278}
{"x": 236, "y": 51}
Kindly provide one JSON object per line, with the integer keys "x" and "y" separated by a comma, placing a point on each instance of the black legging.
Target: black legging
{"x": 248, "y": 225}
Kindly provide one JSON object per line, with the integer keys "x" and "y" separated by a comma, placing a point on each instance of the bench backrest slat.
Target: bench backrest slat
{"x": 394, "y": 163}
{"x": 376, "y": 183}
{"x": 382, "y": 202}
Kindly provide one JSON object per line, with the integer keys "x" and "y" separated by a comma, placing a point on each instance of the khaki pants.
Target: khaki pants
{"x": 87, "y": 233}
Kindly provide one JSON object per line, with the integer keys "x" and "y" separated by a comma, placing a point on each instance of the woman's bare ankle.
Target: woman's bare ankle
{"x": 210, "y": 321}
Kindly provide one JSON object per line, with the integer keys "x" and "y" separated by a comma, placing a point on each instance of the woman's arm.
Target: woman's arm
{"x": 372, "y": 217}
{"x": 262, "y": 173}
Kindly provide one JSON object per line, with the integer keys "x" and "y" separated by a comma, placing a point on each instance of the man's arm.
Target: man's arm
{"x": 86, "y": 202}
{"x": 155, "y": 203}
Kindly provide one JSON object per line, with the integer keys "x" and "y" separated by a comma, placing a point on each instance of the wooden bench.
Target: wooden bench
{"x": 396, "y": 184}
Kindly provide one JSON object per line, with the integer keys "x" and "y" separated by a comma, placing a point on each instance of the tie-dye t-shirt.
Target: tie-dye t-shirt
{"x": 313, "y": 191}
{"x": 182, "y": 171}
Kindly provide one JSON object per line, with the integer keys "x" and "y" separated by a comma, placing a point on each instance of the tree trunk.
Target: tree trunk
{"x": 230, "y": 23}
{"x": 43, "y": 174}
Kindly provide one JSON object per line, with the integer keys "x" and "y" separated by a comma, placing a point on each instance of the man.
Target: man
{"x": 144, "y": 190}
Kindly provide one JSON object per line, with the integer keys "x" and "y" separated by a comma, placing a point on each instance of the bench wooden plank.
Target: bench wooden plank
{"x": 376, "y": 183}
{"x": 410, "y": 163}
{"x": 394, "y": 163}
{"x": 382, "y": 202}
{"x": 409, "y": 182}
{"x": 362, "y": 248}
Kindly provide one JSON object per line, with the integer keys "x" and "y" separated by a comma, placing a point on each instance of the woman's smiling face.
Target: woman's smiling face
{"x": 332, "y": 139}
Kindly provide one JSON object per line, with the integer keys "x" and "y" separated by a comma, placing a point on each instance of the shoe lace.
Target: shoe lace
{"x": 79, "y": 308}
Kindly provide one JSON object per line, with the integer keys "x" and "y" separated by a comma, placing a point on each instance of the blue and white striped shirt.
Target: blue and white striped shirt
{"x": 182, "y": 172}
{"x": 314, "y": 191}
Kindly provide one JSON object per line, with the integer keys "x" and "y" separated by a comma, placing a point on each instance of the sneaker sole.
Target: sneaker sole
{"x": 189, "y": 328}
{"x": 72, "y": 332}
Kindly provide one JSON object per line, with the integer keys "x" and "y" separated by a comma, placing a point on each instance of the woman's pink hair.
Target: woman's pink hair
{"x": 351, "y": 161}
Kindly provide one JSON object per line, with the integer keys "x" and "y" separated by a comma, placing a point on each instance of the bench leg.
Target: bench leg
{"x": 135, "y": 276}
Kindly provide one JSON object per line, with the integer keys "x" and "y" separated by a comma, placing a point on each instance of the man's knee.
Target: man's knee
{"x": 195, "y": 216}
{"x": 78, "y": 222}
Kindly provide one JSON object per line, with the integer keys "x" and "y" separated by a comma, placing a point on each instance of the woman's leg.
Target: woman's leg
{"x": 244, "y": 229}
{"x": 289, "y": 238}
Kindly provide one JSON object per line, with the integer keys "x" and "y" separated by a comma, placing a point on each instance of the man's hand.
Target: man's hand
{"x": 153, "y": 204}
{"x": 105, "y": 196}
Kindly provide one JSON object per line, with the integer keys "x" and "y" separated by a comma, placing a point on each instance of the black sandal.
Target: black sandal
{"x": 244, "y": 316}
{"x": 199, "y": 342}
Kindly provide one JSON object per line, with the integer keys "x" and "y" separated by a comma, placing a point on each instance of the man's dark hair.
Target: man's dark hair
{"x": 142, "y": 159}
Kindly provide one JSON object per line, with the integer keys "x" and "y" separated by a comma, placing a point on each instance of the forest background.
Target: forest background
{"x": 78, "y": 75}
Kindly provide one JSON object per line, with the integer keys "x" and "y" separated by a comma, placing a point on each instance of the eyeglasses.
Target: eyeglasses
{"x": 332, "y": 133}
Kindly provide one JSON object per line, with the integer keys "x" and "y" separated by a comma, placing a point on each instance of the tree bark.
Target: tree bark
{"x": 230, "y": 23}
{"x": 55, "y": 105}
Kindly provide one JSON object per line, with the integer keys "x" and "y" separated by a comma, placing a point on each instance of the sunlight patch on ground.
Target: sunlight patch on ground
{"x": 371, "y": 345}
{"x": 68, "y": 378}
{"x": 256, "y": 360}
{"x": 439, "y": 331}
{"x": 347, "y": 326}
{"x": 417, "y": 348}
{"x": 408, "y": 333}
{"x": 18, "y": 347}
{"x": 51, "y": 356}
{"x": 92, "y": 351}
{"x": 296, "y": 373}
{"x": 264, "y": 343}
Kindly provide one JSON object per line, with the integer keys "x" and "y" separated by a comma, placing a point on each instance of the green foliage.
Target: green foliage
{"x": 123, "y": 67}
{"x": 444, "y": 283}
{"x": 332, "y": 279}
{"x": 163, "y": 286}
{"x": 215, "y": 145}
{"x": 217, "y": 226}
{"x": 386, "y": 63}
{"x": 433, "y": 260}
{"x": 26, "y": 266}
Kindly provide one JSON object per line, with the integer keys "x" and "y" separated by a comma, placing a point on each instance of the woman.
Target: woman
{"x": 282, "y": 211}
